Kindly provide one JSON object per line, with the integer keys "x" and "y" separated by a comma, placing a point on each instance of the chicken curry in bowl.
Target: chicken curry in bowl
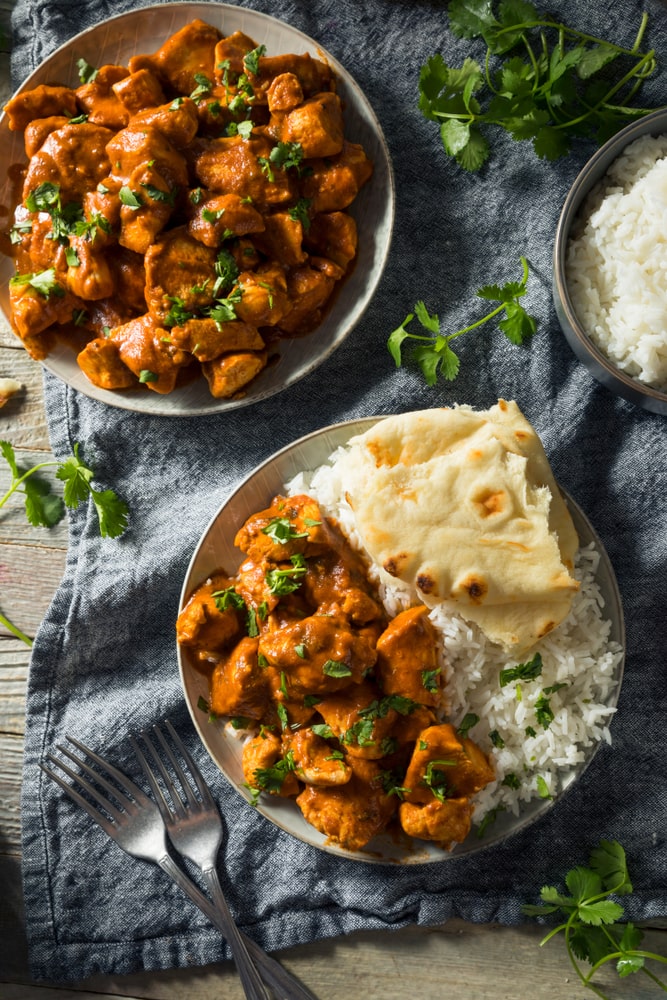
{"x": 339, "y": 704}
{"x": 183, "y": 213}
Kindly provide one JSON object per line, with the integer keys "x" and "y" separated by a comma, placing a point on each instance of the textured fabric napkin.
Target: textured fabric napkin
{"x": 104, "y": 661}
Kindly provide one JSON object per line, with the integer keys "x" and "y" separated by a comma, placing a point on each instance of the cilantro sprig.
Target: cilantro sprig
{"x": 433, "y": 351}
{"x": 540, "y": 80}
{"x": 44, "y": 509}
{"x": 592, "y": 929}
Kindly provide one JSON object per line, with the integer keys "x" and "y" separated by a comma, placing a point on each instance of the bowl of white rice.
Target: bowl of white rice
{"x": 610, "y": 264}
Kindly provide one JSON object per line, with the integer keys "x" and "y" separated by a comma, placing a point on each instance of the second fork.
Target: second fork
{"x": 195, "y": 829}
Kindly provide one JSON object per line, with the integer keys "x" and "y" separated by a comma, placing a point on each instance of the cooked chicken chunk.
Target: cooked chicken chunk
{"x": 353, "y": 813}
{"x": 408, "y": 657}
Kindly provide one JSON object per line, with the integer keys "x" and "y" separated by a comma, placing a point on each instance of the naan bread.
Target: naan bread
{"x": 462, "y": 506}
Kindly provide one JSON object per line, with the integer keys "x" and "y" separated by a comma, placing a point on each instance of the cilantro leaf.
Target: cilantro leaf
{"x": 543, "y": 81}
{"x": 112, "y": 512}
{"x": 434, "y": 353}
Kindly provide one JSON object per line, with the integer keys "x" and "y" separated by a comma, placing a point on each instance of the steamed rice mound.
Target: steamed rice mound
{"x": 616, "y": 264}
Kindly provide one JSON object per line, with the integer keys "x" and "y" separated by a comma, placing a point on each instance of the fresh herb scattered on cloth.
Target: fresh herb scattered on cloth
{"x": 433, "y": 352}
{"x": 541, "y": 80}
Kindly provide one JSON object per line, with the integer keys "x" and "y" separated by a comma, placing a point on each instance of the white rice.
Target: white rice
{"x": 578, "y": 654}
{"x": 616, "y": 264}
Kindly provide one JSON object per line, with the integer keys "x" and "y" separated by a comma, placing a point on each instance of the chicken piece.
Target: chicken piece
{"x": 309, "y": 288}
{"x": 101, "y": 209}
{"x": 333, "y": 235}
{"x": 73, "y": 157}
{"x": 229, "y": 55}
{"x": 351, "y": 814}
{"x": 45, "y": 251}
{"x": 100, "y": 363}
{"x": 99, "y": 101}
{"x": 42, "y": 102}
{"x": 363, "y": 721}
{"x": 284, "y": 93}
{"x": 186, "y": 53}
{"x": 264, "y": 298}
{"x": 228, "y": 374}
{"x": 139, "y": 90}
{"x": 444, "y": 766}
{"x": 265, "y": 768}
{"x": 144, "y": 347}
{"x": 239, "y": 686}
{"x": 89, "y": 276}
{"x": 408, "y": 657}
{"x": 135, "y": 148}
{"x": 316, "y": 125}
{"x": 33, "y": 311}
{"x": 318, "y": 655}
{"x": 282, "y": 239}
{"x": 333, "y": 184}
{"x": 208, "y": 625}
{"x": 36, "y": 132}
{"x": 242, "y": 166}
{"x": 447, "y": 823}
{"x": 217, "y": 218}
{"x": 176, "y": 121}
{"x": 150, "y": 209}
{"x": 254, "y": 589}
{"x": 314, "y": 761}
{"x": 130, "y": 278}
{"x": 245, "y": 254}
{"x": 314, "y": 75}
{"x": 207, "y": 339}
{"x": 179, "y": 270}
{"x": 289, "y": 526}
{"x": 336, "y": 580}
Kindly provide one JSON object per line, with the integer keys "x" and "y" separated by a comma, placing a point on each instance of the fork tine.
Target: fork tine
{"x": 94, "y": 813}
{"x": 163, "y": 805}
{"x": 87, "y": 786}
{"x": 185, "y": 783}
{"x": 122, "y": 779}
{"x": 124, "y": 800}
{"x": 204, "y": 791}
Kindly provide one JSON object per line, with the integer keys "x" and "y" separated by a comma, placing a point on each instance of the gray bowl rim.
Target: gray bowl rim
{"x": 593, "y": 171}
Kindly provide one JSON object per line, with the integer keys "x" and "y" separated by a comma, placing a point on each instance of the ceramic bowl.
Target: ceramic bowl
{"x": 594, "y": 358}
{"x": 143, "y": 31}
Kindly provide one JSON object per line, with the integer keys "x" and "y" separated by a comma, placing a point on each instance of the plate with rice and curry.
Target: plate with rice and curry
{"x": 399, "y": 639}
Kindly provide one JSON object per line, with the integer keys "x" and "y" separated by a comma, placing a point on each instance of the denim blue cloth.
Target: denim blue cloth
{"x": 104, "y": 661}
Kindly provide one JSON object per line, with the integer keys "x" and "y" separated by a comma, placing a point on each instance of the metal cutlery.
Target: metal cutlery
{"x": 134, "y": 821}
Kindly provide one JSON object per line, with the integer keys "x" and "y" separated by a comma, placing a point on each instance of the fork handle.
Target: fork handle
{"x": 276, "y": 976}
{"x": 252, "y": 983}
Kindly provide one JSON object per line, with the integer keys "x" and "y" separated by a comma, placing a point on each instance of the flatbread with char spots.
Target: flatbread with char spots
{"x": 462, "y": 505}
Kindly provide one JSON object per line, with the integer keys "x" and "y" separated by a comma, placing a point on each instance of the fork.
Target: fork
{"x": 138, "y": 829}
{"x": 195, "y": 829}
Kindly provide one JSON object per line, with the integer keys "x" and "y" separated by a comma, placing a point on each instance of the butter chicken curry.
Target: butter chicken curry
{"x": 183, "y": 212}
{"x": 343, "y": 706}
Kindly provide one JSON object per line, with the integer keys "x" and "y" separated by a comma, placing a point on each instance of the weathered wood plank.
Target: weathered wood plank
{"x": 11, "y": 762}
{"x": 29, "y": 577}
{"x": 22, "y": 419}
{"x": 14, "y": 660}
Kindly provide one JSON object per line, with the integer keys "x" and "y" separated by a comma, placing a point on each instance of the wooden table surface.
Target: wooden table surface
{"x": 471, "y": 962}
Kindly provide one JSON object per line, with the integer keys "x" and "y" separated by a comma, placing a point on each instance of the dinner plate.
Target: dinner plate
{"x": 143, "y": 31}
{"x": 216, "y": 552}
